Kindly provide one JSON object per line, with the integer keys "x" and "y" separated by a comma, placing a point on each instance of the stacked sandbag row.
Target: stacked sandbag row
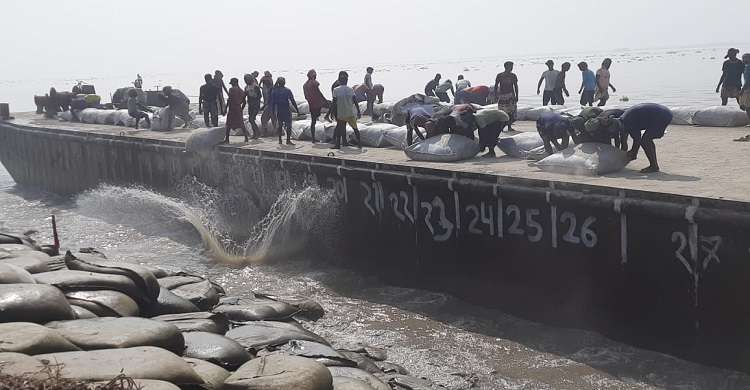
{"x": 83, "y": 317}
{"x": 715, "y": 116}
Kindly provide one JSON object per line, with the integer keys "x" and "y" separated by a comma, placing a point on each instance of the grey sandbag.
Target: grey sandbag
{"x": 216, "y": 349}
{"x": 281, "y": 372}
{"x": 443, "y": 148}
{"x": 204, "y": 140}
{"x": 396, "y": 137}
{"x": 106, "y": 333}
{"x": 33, "y": 303}
{"x": 32, "y": 265}
{"x": 399, "y": 381}
{"x": 142, "y": 277}
{"x": 323, "y": 354}
{"x": 82, "y": 313}
{"x": 683, "y": 115}
{"x": 169, "y": 303}
{"x": 204, "y": 294}
{"x": 197, "y": 322}
{"x": 520, "y": 144}
{"x": 213, "y": 376}
{"x": 306, "y": 308}
{"x": 343, "y": 383}
{"x": 32, "y": 339}
{"x": 586, "y": 159}
{"x": 12, "y": 274}
{"x": 721, "y": 116}
{"x": 261, "y": 334}
{"x": 181, "y": 279}
{"x": 369, "y": 351}
{"x": 14, "y": 363}
{"x": 104, "y": 303}
{"x": 257, "y": 310}
{"x": 373, "y": 135}
{"x": 362, "y": 362}
{"x": 67, "y": 280}
{"x": 137, "y": 363}
{"x": 356, "y": 373}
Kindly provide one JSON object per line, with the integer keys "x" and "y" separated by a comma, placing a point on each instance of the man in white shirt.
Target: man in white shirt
{"x": 549, "y": 77}
{"x": 346, "y": 110}
{"x": 461, "y": 84}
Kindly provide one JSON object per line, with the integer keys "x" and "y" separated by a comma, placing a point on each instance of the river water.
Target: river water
{"x": 434, "y": 335}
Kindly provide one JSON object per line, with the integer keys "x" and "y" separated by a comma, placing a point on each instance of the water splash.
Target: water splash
{"x": 281, "y": 233}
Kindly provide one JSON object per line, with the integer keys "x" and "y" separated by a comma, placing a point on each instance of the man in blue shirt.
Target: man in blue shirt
{"x": 281, "y": 96}
{"x": 651, "y": 117}
{"x": 551, "y": 127}
{"x": 588, "y": 84}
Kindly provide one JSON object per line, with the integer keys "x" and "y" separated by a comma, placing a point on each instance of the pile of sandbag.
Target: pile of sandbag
{"x": 430, "y": 104}
{"x": 396, "y": 137}
{"x": 443, "y": 148}
{"x": 520, "y": 145}
{"x": 721, "y": 116}
{"x": 586, "y": 159}
{"x": 81, "y": 316}
{"x": 372, "y": 134}
{"x": 160, "y": 120}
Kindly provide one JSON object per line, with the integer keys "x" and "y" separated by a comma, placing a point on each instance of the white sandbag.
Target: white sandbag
{"x": 323, "y": 131}
{"x": 66, "y": 116}
{"x": 538, "y": 153}
{"x": 558, "y": 108}
{"x": 298, "y": 130}
{"x": 304, "y": 108}
{"x": 721, "y": 116}
{"x": 204, "y": 140}
{"x": 160, "y": 120}
{"x": 396, "y": 137}
{"x": 521, "y": 112}
{"x": 518, "y": 145}
{"x": 87, "y": 115}
{"x": 373, "y": 135}
{"x": 574, "y": 111}
{"x": 683, "y": 115}
{"x": 444, "y": 148}
{"x": 586, "y": 159}
{"x": 533, "y": 114}
{"x": 362, "y": 106}
{"x": 200, "y": 123}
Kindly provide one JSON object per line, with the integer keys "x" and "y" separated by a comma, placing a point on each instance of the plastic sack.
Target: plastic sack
{"x": 683, "y": 115}
{"x": 721, "y": 116}
{"x": 520, "y": 144}
{"x": 204, "y": 140}
{"x": 396, "y": 137}
{"x": 533, "y": 114}
{"x": 443, "y": 148}
{"x": 373, "y": 135}
{"x": 586, "y": 159}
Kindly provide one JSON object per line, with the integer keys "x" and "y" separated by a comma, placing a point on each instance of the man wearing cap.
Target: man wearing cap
{"x": 549, "y": 77}
{"x": 552, "y": 127}
{"x": 730, "y": 82}
{"x": 588, "y": 84}
{"x": 601, "y": 92}
{"x": 235, "y": 107}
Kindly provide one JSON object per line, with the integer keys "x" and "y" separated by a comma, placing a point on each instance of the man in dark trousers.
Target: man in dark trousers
{"x": 651, "y": 117}
{"x": 344, "y": 107}
{"x": 731, "y": 77}
{"x": 281, "y": 97}
{"x": 235, "y": 108}
{"x": 553, "y": 127}
{"x": 207, "y": 102}
{"x": 429, "y": 89}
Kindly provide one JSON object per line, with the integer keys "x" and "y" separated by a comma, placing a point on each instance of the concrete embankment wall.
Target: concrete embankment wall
{"x": 665, "y": 272}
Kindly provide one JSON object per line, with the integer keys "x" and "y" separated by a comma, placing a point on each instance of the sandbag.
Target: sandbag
{"x": 180, "y": 279}
{"x": 142, "y": 277}
{"x": 66, "y": 116}
{"x": 160, "y": 120}
{"x": 721, "y": 116}
{"x": 323, "y": 131}
{"x": 18, "y": 364}
{"x": 281, "y": 372}
{"x": 67, "y": 280}
{"x": 31, "y": 265}
{"x": 126, "y": 332}
{"x": 169, "y": 303}
{"x": 11, "y": 274}
{"x": 397, "y": 137}
{"x": 140, "y": 384}
{"x": 343, "y": 383}
{"x": 586, "y": 159}
{"x": 212, "y": 375}
{"x": 33, "y": 303}
{"x": 532, "y": 114}
{"x": 261, "y": 334}
{"x": 443, "y": 148}
{"x": 369, "y": 351}
{"x": 323, "y": 354}
{"x": 356, "y": 373}
{"x": 300, "y": 130}
{"x": 137, "y": 363}
{"x": 216, "y": 349}
{"x": 372, "y": 135}
{"x": 104, "y": 303}
{"x": 197, "y": 322}
{"x": 399, "y": 381}
{"x": 518, "y": 145}
{"x": 32, "y": 339}
{"x": 306, "y": 308}
{"x": 204, "y": 295}
{"x": 683, "y": 115}
{"x": 258, "y": 310}
{"x": 538, "y": 153}
{"x": 362, "y": 362}
{"x": 82, "y": 313}
{"x": 204, "y": 140}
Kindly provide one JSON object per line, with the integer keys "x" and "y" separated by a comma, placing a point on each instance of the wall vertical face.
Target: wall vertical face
{"x": 665, "y": 272}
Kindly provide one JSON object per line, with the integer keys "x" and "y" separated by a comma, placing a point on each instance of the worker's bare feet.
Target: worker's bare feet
{"x": 650, "y": 169}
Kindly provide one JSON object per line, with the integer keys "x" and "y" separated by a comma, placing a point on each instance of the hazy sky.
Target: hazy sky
{"x": 53, "y": 38}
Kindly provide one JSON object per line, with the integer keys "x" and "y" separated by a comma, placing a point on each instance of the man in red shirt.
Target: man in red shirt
{"x": 315, "y": 99}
